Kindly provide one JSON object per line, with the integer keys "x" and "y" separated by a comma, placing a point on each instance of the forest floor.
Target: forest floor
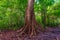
{"x": 52, "y": 34}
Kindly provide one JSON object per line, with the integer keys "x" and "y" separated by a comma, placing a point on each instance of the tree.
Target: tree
{"x": 44, "y": 5}
{"x": 31, "y": 26}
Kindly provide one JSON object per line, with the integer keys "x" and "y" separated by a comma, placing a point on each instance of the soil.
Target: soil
{"x": 52, "y": 34}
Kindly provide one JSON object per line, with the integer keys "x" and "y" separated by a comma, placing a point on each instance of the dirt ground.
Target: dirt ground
{"x": 52, "y": 34}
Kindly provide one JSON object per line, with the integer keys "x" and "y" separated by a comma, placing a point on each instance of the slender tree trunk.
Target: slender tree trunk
{"x": 43, "y": 16}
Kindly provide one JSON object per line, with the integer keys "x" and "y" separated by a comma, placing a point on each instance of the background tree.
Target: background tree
{"x": 44, "y": 4}
{"x": 41, "y": 7}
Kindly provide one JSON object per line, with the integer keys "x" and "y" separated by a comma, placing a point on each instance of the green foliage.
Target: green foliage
{"x": 12, "y": 13}
{"x": 48, "y": 8}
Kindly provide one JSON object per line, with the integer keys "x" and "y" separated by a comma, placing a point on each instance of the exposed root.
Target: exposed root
{"x": 20, "y": 29}
{"x": 33, "y": 32}
{"x": 30, "y": 30}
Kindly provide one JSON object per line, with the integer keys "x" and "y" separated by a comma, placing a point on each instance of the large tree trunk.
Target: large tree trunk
{"x": 31, "y": 26}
